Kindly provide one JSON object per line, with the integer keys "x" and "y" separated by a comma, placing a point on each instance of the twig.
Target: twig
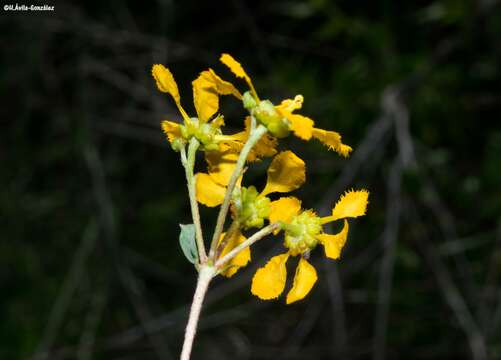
{"x": 204, "y": 277}
{"x": 254, "y": 137}
{"x": 68, "y": 288}
{"x": 255, "y": 237}
{"x": 229, "y": 234}
{"x": 447, "y": 225}
{"x": 393, "y": 208}
{"x": 255, "y": 35}
{"x": 189, "y": 163}
{"x": 304, "y": 326}
{"x": 394, "y": 107}
{"x": 335, "y": 290}
{"x": 172, "y": 318}
{"x": 449, "y": 290}
{"x": 92, "y": 321}
{"x": 492, "y": 318}
{"x": 107, "y": 222}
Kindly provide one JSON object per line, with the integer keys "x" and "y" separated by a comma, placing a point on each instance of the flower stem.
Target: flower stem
{"x": 254, "y": 137}
{"x": 255, "y": 237}
{"x": 204, "y": 277}
{"x": 189, "y": 164}
{"x": 235, "y": 225}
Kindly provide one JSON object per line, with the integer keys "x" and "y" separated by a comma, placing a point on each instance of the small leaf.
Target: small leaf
{"x": 188, "y": 243}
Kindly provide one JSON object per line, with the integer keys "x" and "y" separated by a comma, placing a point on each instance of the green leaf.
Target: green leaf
{"x": 188, "y": 242}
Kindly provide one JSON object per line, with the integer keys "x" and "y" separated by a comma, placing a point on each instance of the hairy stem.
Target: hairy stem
{"x": 255, "y": 237}
{"x": 254, "y": 137}
{"x": 229, "y": 234}
{"x": 204, "y": 277}
{"x": 189, "y": 164}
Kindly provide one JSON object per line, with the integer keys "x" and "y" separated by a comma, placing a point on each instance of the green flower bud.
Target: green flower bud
{"x": 205, "y": 133}
{"x": 177, "y": 144}
{"x": 249, "y": 101}
{"x": 280, "y": 128}
{"x": 252, "y": 209}
{"x": 266, "y": 114}
{"x": 185, "y": 133}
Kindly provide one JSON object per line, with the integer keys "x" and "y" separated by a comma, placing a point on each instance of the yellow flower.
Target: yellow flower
{"x": 303, "y": 231}
{"x": 285, "y": 173}
{"x": 280, "y": 119}
{"x": 249, "y": 208}
{"x": 206, "y": 90}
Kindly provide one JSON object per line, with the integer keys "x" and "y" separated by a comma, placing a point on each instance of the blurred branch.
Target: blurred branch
{"x": 397, "y": 111}
{"x": 446, "y": 224}
{"x": 92, "y": 321}
{"x": 255, "y": 35}
{"x": 446, "y": 285}
{"x": 68, "y": 288}
{"x": 131, "y": 284}
{"x": 336, "y": 297}
{"x": 393, "y": 209}
{"x": 490, "y": 320}
{"x": 177, "y": 316}
{"x": 305, "y": 326}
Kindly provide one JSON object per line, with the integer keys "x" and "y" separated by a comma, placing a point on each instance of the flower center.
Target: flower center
{"x": 301, "y": 232}
{"x": 251, "y": 209}
{"x": 265, "y": 112}
{"x": 204, "y": 132}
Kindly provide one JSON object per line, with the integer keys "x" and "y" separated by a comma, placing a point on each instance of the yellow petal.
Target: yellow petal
{"x": 302, "y": 126}
{"x": 269, "y": 281}
{"x": 265, "y": 147}
{"x": 241, "y": 259}
{"x": 206, "y": 90}
{"x": 333, "y": 140}
{"x": 221, "y": 164}
{"x": 352, "y": 204}
{"x": 205, "y": 98}
{"x": 286, "y": 173}
{"x": 305, "y": 278}
{"x": 237, "y": 69}
{"x": 234, "y": 66}
{"x": 333, "y": 244}
{"x": 290, "y": 105}
{"x": 218, "y": 121}
{"x": 223, "y": 87}
{"x": 171, "y": 129}
{"x": 284, "y": 209}
{"x": 166, "y": 83}
{"x": 208, "y": 191}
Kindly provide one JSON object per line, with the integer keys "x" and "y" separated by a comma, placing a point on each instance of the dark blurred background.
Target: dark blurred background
{"x": 91, "y": 194}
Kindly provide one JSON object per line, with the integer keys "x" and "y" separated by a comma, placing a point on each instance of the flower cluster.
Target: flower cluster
{"x": 221, "y": 185}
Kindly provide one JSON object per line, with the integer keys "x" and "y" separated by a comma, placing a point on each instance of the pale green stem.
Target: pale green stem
{"x": 255, "y": 237}
{"x": 254, "y": 137}
{"x": 189, "y": 164}
{"x": 204, "y": 277}
{"x": 229, "y": 234}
